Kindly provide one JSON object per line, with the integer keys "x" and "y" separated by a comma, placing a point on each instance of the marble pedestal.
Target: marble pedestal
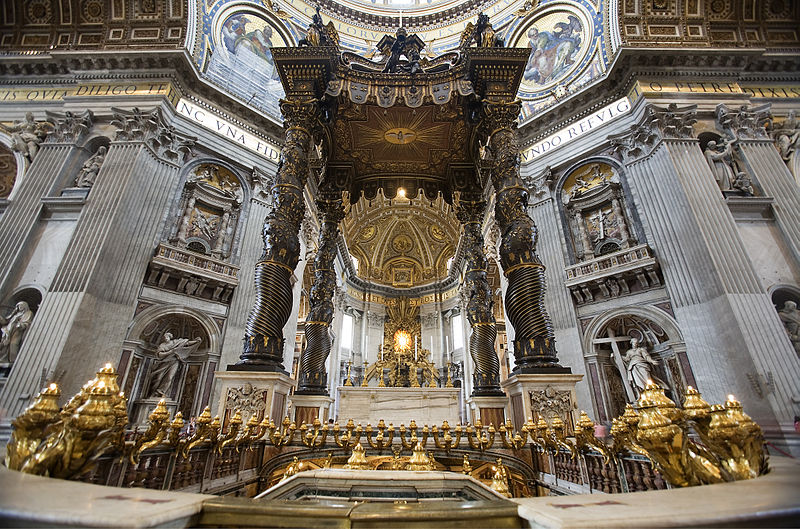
{"x": 490, "y": 410}
{"x": 542, "y": 395}
{"x": 257, "y": 393}
{"x": 306, "y": 408}
{"x": 398, "y": 405}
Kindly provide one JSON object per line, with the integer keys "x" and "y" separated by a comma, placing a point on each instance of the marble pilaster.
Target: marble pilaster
{"x": 84, "y": 316}
{"x": 723, "y": 311}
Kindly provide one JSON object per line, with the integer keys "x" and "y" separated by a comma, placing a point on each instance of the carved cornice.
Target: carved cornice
{"x": 69, "y": 127}
{"x": 657, "y": 123}
{"x": 151, "y": 128}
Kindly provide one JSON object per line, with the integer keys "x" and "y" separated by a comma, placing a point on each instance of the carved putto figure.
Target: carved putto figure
{"x": 28, "y": 135}
{"x": 13, "y": 330}
{"x": 790, "y": 317}
{"x": 171, "y": 353}
{"x": 639, "y": 365}
{"x": 90, "y": 168}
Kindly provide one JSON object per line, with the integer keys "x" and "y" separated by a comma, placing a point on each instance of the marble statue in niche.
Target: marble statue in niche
{"x": 639, "y": 365}
{"x": 170, "y": 354}
{"x": 27, "y": 135}
{"x": 13, "y": 330}
{"x": 790, "y": 317}
{"x": 787, "y": 141}
{"x": 90, "y": 168}
{"x": 721, "y": 159}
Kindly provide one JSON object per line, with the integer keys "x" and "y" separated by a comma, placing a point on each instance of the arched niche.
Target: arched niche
{"x": 12, "y": 166}
{"x": 609, "y": 336}
{"x": 188, "y": 388}
{"x": 17, "y": 313}
{"x": 595, "y": 210}
{"x": 207, "y": 220}
{"x": 786, "y": 299}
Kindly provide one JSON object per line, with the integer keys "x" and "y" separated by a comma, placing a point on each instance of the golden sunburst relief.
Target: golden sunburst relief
{"x": 403, "y": 134}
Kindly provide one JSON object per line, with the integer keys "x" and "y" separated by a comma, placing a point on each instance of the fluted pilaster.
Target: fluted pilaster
{"x": 726, "y": 317}
{"x": 84, "y": 316}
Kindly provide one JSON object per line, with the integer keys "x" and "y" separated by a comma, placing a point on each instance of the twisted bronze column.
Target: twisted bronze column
{"x": 263, "y": 340}
{"x": 486, "y": 377}
{"x": 313, "y": 377}
{"x": 534, "y": 343}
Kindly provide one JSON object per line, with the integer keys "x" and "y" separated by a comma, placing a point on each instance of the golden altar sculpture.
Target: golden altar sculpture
{"x": 404, "y": 365}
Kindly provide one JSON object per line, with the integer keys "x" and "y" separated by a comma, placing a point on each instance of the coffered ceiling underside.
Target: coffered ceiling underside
{"x": 399, "y": 147}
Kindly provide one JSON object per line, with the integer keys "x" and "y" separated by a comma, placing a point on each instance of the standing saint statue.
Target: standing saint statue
{"x": 12, "y": 331}
{"x": 171, "y": 353}
{"x": 28, "y": 135}
{"x": 790, "y": 317}
{"x": 639, "y": 365}
{"x": 90, "y": 168}
{"x": 720, "y": 159}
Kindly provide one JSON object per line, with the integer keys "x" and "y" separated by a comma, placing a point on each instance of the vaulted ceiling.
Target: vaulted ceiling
{"x": 400, "y": 242}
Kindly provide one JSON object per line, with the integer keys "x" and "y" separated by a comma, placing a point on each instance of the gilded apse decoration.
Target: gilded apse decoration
{"x": 263, "y": 348}
{"x": 399, "y": 242}
{"x": 313, "y": 377}
{"x": 534, "y": 342}
{"x": 470, "y": 209}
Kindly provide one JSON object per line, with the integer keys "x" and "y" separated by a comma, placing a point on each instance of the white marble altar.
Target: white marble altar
{"x": 399, "y": 405}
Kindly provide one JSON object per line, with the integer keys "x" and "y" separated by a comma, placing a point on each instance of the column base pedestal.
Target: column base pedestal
{"x": 542, "y": 395}
{"x": 310, "y": 407}
{"x": 262, "y": 394}
{"x": 490, "y": 410}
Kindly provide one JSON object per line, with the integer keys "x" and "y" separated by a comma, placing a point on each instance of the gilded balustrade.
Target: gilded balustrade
{"x": 67, "y": 442}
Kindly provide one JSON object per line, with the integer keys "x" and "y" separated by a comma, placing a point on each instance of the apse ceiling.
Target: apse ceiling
{"x": 399, "y": 242}
{"x": 569, "y": 46}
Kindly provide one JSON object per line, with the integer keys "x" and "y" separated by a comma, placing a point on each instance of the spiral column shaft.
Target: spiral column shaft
{"x": 534, "y": 343}
{"x": 263, "y": 340}
{"x": 480, "y": 303}
{"x": 313, "y": 375}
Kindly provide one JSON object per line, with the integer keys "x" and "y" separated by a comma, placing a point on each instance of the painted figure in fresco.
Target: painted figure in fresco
{"x": 552, "y": 53}
{"x": 13, "y": 330}
{"x": 790, "y": 317}
{"x": 639, "y": 365}
{"x": 90, "y": 168}
{"x": 171, "y": 353}
{"x": 232, "y": 29}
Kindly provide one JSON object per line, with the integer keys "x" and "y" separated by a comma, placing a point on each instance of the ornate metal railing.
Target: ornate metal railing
{"x": 86, "y": 439}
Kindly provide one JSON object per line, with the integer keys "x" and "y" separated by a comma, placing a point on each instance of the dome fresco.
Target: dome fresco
{"x": 233, "y": 39}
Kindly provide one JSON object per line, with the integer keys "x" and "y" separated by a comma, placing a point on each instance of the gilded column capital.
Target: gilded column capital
{"x": 299, "y": 115}
{"x": 748, "y": 122}
{"x": 68, "y": 126}
{"x": 500, "y": 115}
